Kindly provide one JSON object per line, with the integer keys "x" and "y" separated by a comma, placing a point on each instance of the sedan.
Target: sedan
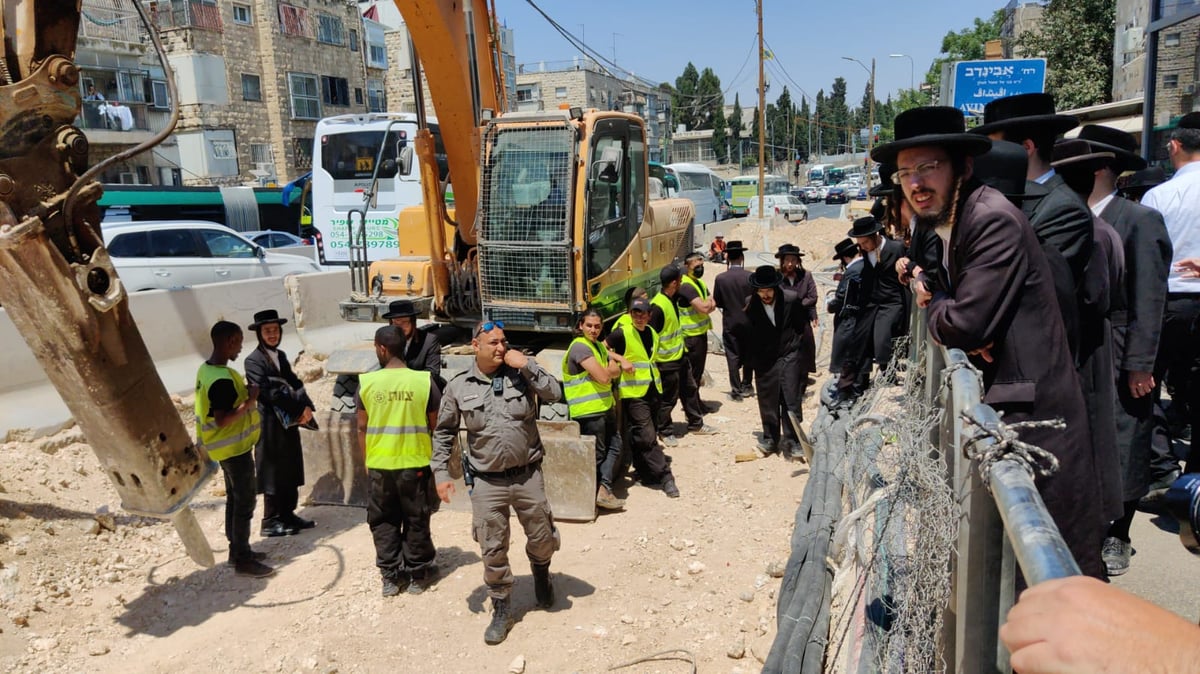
{"x": 836, "y": 195}
{"x": 273, "y": 239}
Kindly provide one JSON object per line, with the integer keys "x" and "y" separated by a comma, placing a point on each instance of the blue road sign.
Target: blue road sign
{"x": 978, "y": 82}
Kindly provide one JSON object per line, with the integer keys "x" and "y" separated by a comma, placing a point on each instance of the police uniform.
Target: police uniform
{"x": 505, "y": 455}
{"x": 397, "y": 403}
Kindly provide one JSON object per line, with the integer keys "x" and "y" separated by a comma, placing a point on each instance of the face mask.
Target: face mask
{"x": 698, "y": 271}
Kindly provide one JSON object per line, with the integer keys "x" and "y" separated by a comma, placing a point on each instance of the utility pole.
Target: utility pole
{"x": 762, "y": 110}
{"x": 870, "y": 128}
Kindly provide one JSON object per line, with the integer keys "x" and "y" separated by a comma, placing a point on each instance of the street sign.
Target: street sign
{"x": 976, "y": 83}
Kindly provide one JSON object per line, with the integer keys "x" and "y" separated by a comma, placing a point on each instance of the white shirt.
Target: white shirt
{"x": 1102, "y": 204}
{"x": 1178, "y": 200}
{"x": 1041, "y": 180}
{"x": 873, "y": 256}
{"x": 770, "y": 309}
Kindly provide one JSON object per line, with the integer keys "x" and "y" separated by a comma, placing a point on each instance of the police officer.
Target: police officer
{"x": 397, "y": 406}
{"x": 495, "y": 401}
{"x": 678, "y": 383}
{"x": 641, "y": 388}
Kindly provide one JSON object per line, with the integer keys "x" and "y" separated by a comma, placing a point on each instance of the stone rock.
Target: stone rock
{"x": 737, "y": 649}
{"x": 43, "y": 644}
{"x": 746, "y": 596}
{"x": 627, "y": 619}
{"x": 517, "y": 666}
{"x": 695, "y": 568}
{"x": 775, "y": 569}
{"x": 759, "y": 581}
{"x": 628, "y": 639}
{"x": 97, "y": 649}
{"x": 677, "y": 544}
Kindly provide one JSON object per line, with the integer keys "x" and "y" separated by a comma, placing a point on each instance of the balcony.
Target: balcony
{"x": 125, "y": 123}
{"x": 111, "y": 21}
{"x": 171, "y": 14}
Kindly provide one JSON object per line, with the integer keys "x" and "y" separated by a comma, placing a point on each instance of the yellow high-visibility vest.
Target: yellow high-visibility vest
{"x": 635, "y": 384}
{"x": 238, "y": 437}
{"x": 670, "y": 340}
{"x": 398, "y": 435}
{"x": 585, "y": 396}
{"x": 692, "y": 321}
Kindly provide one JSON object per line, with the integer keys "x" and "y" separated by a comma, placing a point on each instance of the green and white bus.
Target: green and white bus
{"x": 744, "y": 188}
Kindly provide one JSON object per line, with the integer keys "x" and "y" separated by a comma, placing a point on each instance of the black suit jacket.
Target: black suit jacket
{"x": 423, "y": 352}
{"x": 730, "y": 290}
{"x": 278, "y": 458}
{"x": 880, "y": 283}
{"x": 1148, "y": 253}
{"x": 767, "y": 341}
{"x": 1060, "y": 218}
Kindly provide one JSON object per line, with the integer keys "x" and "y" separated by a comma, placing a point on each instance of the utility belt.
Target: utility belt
{"x": 515, "y": 473}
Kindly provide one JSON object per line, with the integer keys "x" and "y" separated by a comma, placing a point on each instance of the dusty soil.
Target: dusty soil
{"x": 84, "y": 587}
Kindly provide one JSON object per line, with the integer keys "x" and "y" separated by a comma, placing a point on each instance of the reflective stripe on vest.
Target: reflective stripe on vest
{"x": 238, "y": 437}
{"x": 397, "y": 423}
{"x": 585, "y": 396}
{"x": 692, "y": 321}
{"x": 635, "y": 384}
{"x": 670, "y": 340}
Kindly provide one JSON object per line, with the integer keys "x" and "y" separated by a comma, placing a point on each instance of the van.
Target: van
{"x": 159, "y": 255}
{"x": 788, "y": 206}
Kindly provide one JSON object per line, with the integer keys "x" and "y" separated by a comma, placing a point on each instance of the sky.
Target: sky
{"x": 656, "y": 39}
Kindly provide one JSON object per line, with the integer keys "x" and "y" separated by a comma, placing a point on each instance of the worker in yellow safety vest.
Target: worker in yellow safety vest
{"x": 678, "y": 380}
{"x": 641, "y": 392}
{"x": 397, "y": 408}
{"x": 588, "y": 373}
{"x": 227, "y": 426}
{"x": 695, "y": 305}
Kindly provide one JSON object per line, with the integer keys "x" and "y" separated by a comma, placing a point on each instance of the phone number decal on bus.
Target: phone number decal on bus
{"x": 380, "y": 233}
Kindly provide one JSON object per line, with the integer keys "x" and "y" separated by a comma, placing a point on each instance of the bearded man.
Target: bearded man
{"x": 1000, "y": 308}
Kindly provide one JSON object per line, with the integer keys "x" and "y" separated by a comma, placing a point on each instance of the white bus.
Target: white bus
{"x": 816, "y": 174}
{"x": 345, "y": 151}
{"x": 698, "y": 183}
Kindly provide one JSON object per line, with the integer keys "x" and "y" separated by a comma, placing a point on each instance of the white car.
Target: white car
{"x": 788, "y": 206}
{"x": 167, "y": 254}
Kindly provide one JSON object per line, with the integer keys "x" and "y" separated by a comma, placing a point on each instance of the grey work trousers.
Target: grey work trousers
{"x": 491, "y": 502}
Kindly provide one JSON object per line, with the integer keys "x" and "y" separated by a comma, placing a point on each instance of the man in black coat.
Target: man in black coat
{"x": 999, "y": 308}
{"x": 1136, "y": 325}
{"x": 776, "y": 321}
{"x": 850, "y": 340}
{"x": 797, "y": 279}
{"x": 422, "y": 351}
{"x": 883, "y": 294}
{"x": 731, "y": 288}
{"x": 284, "y": 406}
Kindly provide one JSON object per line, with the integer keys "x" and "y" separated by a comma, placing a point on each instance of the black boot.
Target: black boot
{"x": 541, "y": 585}
{"x": 502, "y": 622}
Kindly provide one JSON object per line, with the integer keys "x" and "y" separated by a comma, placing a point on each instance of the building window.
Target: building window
{"x": 294, "y": 21}
{"x": 223, "y": 149}
{"x": 353, "y": 40}
{"x": 242, "y": 15}
{"x": 306, "y": 96}
{"x": 560, "y": 92}
{"x": 376, "y": 98}
{"x": 302, "y": 151}
{"x": 525, "y": 94}
{"x": 186, "y": 14}
{"x": 1171, "y": 40}
{"x": 260, "y": 153}
{"x": 159, "y": 94}
{"x": 358, "y": 96}
{"x": 376, "y": 55}
{"x": 251, "y": 87}
{"x": 1171, "y": 81}
{"x": 329, "y": 29}
{"x": 335, "y": 90}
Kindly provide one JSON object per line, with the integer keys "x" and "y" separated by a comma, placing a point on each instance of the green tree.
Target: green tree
{"x": 803, "y": 128}
{"x": 965, "y": 45}
{"x": 781, "y": 125}
{"x": 821, "y": 136}
{"x": 1076, "y": 38}
{"x": 839, "y": 116}
{"x": 709, "y": 99}
{"x": 735, "y": 129}
{"x": 683, "y": 100}
{"x": 720, "y": 137}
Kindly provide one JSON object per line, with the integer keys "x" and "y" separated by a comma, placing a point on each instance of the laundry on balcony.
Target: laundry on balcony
{"x": 117, "y": 116}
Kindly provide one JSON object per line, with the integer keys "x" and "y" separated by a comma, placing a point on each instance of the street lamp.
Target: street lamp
{"x": 871, "y": 123}
{"x": 911, "y": 78}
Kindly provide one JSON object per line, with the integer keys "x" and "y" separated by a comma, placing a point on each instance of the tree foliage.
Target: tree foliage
{"x": 735, "y": 129}
{"x": 720, "y": 137}
{"x": 709, "y": 100}
{"x": 965, "y": 45}
{"x": 684, "y": 98}
{"x": 1076, "y": 38}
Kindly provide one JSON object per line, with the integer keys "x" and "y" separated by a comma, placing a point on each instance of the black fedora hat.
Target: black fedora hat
{"x": 265, "y": 317}
{"x": 1120, "y": 143}
{"x": 845, "y": 248}
{"x": 400, "y": 309}
{"x": 865, "y": 226}
{"x": 788, "y": 249}
{"x": 735, "y": 246}
{"x": 932, "y": 125}
{"x": 1140, "y": 181}
{"x": 886, "y": 187}
{"x": 1189, "y": 121}
{"x": 1076, "y": 153}
{"x": 765, "y": 276}
{"x": 1024, "y": 110}
{"x": 1003, "y": 168}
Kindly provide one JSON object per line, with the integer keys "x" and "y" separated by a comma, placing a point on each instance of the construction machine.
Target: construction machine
{"x": 58, "y": 284}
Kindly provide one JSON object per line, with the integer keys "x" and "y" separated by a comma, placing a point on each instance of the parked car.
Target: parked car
{"x": 788, "y": 206}
{"x": 860, "y": 193}
{"x": 151, "y": 255}
{"x": 726, "y": 211}
{"x": 836, "y": 195}
{"x": 273, "y": 239}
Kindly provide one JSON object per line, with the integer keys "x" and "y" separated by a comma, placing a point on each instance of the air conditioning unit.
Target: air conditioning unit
{"x": 267, "y": 168}
{"x": 1189, "y": 90}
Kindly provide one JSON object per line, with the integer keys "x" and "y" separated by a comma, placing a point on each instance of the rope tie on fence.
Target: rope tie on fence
{"x": 951, "y": 368}
{"x": 989, "y": 444}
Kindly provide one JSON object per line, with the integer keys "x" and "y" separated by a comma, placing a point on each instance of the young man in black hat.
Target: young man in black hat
{"x": 776, "y": 321}
{"x": 731, "y": 290}
{"x": 1136, "y": 325}
{"x": 1177, "y": 200}
{"x": 998, "y": 307}
{"x": 797, "y": 279}
{"x": 1134, "y": 186}
{"x": 421, "y": 348}
{"x": 850, "y": 339}
{"x": 284, "y": 406}
{"x": 884, "y": 297}
{"x": 1057, "y": 214}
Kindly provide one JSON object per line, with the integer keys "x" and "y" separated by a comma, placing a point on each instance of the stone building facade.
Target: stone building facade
{"x": 1176, "y": 76}
{"x": 1129, "y": 49}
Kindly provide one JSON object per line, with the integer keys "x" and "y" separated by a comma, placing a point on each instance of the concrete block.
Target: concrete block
{"x": 334, "y": 468}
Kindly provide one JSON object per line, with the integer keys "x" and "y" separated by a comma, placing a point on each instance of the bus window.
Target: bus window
{"x": 351, "y": 156}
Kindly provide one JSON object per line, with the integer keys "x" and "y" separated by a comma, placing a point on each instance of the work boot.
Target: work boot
{"x": 542, "y": 587}
{"x": 394, "y": 583}
{"x": 606, "y": 500}
{"x": 248, "y": 566}
{"x": 253, "y": 554}
{"x": 502, "y": 622}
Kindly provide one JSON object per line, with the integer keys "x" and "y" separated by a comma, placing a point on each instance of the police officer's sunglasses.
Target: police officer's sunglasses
{"x": 488, "y": 326}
